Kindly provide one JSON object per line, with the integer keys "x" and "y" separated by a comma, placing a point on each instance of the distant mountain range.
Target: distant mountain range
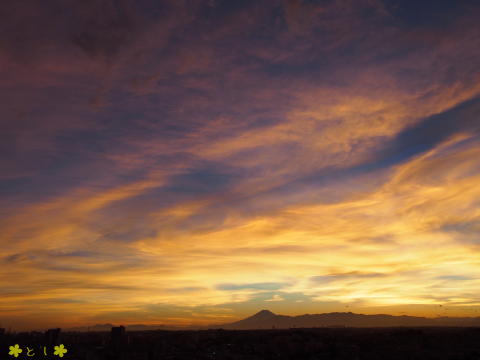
{"x": 265, "y": 319}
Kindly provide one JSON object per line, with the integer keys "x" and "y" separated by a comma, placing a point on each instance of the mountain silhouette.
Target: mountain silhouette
{"x": 266, "y": 319}
{"x": 263, "y": 314}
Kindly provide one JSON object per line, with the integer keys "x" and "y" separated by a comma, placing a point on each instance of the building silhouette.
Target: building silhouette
{"x": 52, "y": 337}
{"x": 118, "y": 338}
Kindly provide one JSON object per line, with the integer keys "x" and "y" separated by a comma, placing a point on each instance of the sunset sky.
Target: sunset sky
{"x": 193, "y": 162}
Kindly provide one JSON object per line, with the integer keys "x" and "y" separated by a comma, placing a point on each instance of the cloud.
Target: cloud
{"x": 252, "y": 286}
{"x": 276, "y": 297}
{"x": 431, "y": 131}
{"x": 350, "y": 275}
{"x": 455, "y": 277}
{"x": 108, "y": 27}
{"x": 320, "y": 152}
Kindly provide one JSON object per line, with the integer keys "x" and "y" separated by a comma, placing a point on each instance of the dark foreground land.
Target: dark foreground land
{"x": 305, "y": 344}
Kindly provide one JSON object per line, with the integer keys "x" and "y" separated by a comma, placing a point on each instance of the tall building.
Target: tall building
{"x": 118, "y": 337}
{"x": 52, "y": 337}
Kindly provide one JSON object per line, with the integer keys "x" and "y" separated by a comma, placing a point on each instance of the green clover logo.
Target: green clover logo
{"x": 59, "y": 350}
{"x": 15, "y": 350}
